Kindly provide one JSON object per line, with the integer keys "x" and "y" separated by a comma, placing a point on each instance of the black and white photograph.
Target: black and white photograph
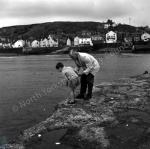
{"x": 74, "y": 74}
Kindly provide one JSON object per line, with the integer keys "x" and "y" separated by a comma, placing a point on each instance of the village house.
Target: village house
{"x": 106, "y": 26}
{"x": 86, "y": 33}
{"x": 76, "y": 41}
{"x": 68, "y": 42}
{"x": 1, "y": 44}
{"x": 111, "y": 37}
{"x": 128, "y": 39}
{"x": 136, "y": 37}
{"x": 145, "y": 37}
{"x": 85, "y": 40}
{"x": 98, "y": 39}
{"x": 53, "y": 40}
{"x": 6, "y": 45}
{"x": 42, "y": 43}
{"x": 46, "y": 41}
{"x": 19, "y": 44}
{"x": 35, "y": 44}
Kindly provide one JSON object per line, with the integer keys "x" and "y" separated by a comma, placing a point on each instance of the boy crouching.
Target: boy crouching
{"x": 72, "y": 80}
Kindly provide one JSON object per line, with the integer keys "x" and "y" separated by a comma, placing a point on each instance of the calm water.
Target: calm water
{"x": 23, "y": 77}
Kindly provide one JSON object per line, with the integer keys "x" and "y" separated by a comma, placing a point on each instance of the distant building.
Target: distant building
{"x": 128, "y": 39}
{"x": 85, "y": 40}
{"x": 46, "y": 41}
{"x": 111, "y": 37}
{"x": 106, "y": 26}
{"x": 97, "y": 39}
{"x": 6, "y": 45}
{"x": 2, "y": 39}
{"x": 1, "y": 44}
{"x": 145, "y": 37}
{"x": 19, "y": 44}
{"x": 53, "y": 40}
{"x": 35, "y": 44}
{"x": 68, "y": 42}
{"x": 86, "y": 33}
{"x": 42, "y": 43}
{"x": 76, "y": 41}
{"x": 136, "y": 36}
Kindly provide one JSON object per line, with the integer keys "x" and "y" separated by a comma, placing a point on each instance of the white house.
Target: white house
{"x": 35, "y": 44}
{"x": 76, "y": 41}
{"x": 145, "y": 37}
{"x": 111, "y": 37}
{"x": 6, "y": 45}
{"x": 1, "y": 44}
{"x": 53, "y": 41}
{"x": 42, "y": 43}
{"x": 85, "y": 40}
{"x": 68, "y": 42}
{"x": 106, "y": 26}
{"x": 19, "y": 44}
{"x": 46, "y": 41}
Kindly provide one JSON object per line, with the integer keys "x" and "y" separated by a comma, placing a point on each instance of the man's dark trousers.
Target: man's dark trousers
{"x": 87, "y": 81}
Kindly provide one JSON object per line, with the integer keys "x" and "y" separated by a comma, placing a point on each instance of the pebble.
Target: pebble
{"x": 39, "y": 135}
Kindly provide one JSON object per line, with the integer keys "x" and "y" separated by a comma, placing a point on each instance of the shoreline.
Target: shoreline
{"x": 118, "y": 115}
{"x": 91, "y": 52}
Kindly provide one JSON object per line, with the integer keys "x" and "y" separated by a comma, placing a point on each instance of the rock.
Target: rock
{"x": 148, "y": 130}
{"x": 94, "y": 133}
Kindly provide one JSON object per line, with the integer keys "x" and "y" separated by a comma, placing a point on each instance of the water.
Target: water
{"x": 23, "y": 77}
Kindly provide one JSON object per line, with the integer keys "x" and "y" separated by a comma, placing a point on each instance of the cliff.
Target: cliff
{"x": 117, "y": 117}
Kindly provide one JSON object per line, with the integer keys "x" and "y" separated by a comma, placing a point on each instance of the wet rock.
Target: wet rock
{"x": 12, "y": 146}
{"x": 134, "y": 120}
{"x": 95, "y": 134}
{"x": 148, "y": 130}
{"x": 128, "y": 132}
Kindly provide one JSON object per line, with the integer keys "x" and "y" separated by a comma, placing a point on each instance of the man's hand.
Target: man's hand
{"x": 80, "y": 74}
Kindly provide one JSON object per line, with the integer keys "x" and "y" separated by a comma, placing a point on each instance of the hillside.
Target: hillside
{"x": 42, "y": 30}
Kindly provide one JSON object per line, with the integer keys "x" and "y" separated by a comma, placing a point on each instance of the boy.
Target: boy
{"x": 72, "y": 79}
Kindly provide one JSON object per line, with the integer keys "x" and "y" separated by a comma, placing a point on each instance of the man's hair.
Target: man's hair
{"x": 59, "y": 65}
{"x": 72, "y": 51}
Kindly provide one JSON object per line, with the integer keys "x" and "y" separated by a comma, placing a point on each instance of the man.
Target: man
{"x": 87, "y": 67}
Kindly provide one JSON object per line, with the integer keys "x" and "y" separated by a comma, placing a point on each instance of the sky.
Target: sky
{"x": 22, "y": 12}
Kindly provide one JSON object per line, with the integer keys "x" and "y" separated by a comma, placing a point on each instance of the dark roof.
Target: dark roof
{"x": 97, "y": 35}
{"x": 84, "y": 36}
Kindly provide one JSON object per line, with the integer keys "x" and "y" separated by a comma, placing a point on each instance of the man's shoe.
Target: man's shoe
{"x": 80, "y": 96}
{"x": 88, "y": 97}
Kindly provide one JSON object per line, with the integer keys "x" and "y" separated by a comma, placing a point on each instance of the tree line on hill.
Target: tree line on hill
{"x": 40, "y": 31}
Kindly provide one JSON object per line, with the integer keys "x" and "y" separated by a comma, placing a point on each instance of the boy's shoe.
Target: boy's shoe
{"x": 80, "y": 96}
{"x": 88, "y": 97}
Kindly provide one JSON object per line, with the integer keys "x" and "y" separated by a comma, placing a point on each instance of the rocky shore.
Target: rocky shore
{"x": 117, "y": 117}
